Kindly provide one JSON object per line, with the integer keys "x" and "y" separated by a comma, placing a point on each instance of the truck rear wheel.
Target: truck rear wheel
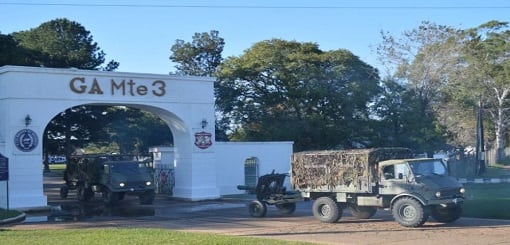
{"x": 257, "y": 209}
{"x": 326, "y": 210}
{"x": 286, "y": 208}
{"x": 110, "y": 197}
{"x": 362, "y": 212}
{"x": 409, "y": 212}
{"x": 64, "y": 190}
{"x": 84, "y": 193}
{"x": 446, "y": 215}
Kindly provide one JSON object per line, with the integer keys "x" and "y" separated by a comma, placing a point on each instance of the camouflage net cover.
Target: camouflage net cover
{"x": 334, "y": 170}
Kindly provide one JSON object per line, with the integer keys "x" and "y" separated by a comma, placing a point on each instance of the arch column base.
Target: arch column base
{"x": 196, "y": 194}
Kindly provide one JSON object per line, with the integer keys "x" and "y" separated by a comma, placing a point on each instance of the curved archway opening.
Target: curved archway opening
{"x": 110, "y": 128}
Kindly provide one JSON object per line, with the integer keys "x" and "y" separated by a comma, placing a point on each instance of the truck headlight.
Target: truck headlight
{"x": 462, "y": 190}
{"x": 148, "y": 183}
{"x": 121, "y": 184}
{"x": 438, "y": 194}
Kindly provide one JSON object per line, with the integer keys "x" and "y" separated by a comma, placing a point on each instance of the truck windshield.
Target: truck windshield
{"x": 426, "y": 168}
{"x": 126, "y": 168}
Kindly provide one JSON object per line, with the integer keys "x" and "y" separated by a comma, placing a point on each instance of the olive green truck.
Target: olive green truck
{"x": 365, "y": 180}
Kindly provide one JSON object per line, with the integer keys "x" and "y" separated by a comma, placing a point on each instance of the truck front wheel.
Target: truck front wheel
{"x": 446, "y": 215}
{"x": 326, "y": 210}
{"x": 409, "y": 212}
{"x": 362, "y": 212}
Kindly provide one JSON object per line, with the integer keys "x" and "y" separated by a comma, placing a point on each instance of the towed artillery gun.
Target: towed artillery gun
{"x": 112, "y": 176}
{"x": 270, "y": 190}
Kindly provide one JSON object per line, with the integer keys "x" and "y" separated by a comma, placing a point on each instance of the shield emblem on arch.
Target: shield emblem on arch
{"x": 203, "y": 140}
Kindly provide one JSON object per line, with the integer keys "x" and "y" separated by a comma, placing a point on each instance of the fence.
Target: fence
{"x": 463, "y": 165}
{"x": 165, "y": 179}
{"x": 491, "y": 156}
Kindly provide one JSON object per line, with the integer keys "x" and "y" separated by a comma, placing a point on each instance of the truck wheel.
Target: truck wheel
{"x": 109, "y": 197}
{"x": 326, "y": 210}
{"x": 286, "y": 208}
{"x": 64, "y": 190}
{"x": 257, "y": 209}
{"x": 84, "y": 194}
{"x": 362, "y": 212}
{"x": 409, "y": 212}
{"x": 121, "y": 195}
{"x": 446, "y": 215}
{"x": 147, "y": 197}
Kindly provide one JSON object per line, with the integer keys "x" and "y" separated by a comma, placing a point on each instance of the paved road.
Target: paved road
{"x": 230, "y": 216}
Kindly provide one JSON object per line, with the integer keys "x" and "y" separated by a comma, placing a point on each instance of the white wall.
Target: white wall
{"x": 231, "y": 156}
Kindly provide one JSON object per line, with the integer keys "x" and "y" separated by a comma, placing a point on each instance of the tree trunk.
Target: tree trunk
{"x": 500, "y": 128}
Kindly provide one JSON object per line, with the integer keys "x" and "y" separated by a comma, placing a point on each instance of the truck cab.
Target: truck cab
{"x": 409, "y": 185}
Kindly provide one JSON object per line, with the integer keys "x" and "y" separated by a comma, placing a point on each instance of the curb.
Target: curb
{"x": 484, "y": 180}
{"x": 16, "y": 219}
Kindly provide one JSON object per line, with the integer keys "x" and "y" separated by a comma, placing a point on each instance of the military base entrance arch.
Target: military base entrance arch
{"x": 41, "y": 93}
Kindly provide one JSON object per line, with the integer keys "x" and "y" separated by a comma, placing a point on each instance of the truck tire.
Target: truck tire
{"x": 257, "y": 209}
{"x": 286, "y": 208}
{"x": 109, "y": 197}
{"x": 121, "y": 195}
{"x": 64, "y": 190}
{"x": 362, "y": 212}
{"x": 409, "y": 212}
{"x": 147, "y": 197}
{"x": 326, "y": 210}
{"x": 84, "y": 194}
{"x": 446, "y": 215}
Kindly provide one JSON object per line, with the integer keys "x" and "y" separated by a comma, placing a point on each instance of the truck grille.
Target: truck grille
{"x": 450, "y": 193}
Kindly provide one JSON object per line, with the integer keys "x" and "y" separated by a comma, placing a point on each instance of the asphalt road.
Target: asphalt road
{"x": 231, "y": 217}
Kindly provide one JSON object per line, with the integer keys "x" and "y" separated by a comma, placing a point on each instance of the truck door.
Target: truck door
{"x": 394, "y": 179}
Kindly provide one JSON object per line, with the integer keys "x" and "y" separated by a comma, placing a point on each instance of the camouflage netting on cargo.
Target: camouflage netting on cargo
{"x": 329, "y": 170}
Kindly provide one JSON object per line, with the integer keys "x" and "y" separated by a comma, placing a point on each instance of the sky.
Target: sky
{"x": 139, "y": 34}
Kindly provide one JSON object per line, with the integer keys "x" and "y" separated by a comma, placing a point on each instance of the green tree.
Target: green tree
{"x": 485, "y": 73}
{"x": 423, "y": 61}
{"x": 62, "y": 43}
{"x": 73, "y": 129}
{"x": 13, "y": 54}
{"x": 134, "y": 131}
{"x": 199, "y": 57}
{"x": 286, "y": 90}
{"x": 400, "y": 121}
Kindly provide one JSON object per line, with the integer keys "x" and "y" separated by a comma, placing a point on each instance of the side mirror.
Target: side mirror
{"x": 400, "y": 176}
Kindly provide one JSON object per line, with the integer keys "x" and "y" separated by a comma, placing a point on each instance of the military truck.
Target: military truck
{"x": 111, "y": 176}
{"x": 365, "y": 180}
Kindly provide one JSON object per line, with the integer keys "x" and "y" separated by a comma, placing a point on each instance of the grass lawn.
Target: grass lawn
{"x": 125, "y": 236}
{"x": 487, "y": 201}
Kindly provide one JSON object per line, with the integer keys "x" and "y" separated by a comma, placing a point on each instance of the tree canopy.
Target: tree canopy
{"x": 199, "y": 57}
{"x": 287, "y": 90}
{"x": 62, "y": 43}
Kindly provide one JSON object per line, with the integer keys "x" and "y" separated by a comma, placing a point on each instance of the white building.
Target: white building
{"x": 204, "y": 169}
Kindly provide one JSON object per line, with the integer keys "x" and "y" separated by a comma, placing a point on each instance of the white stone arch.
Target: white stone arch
{"x": 182, "y": 102}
